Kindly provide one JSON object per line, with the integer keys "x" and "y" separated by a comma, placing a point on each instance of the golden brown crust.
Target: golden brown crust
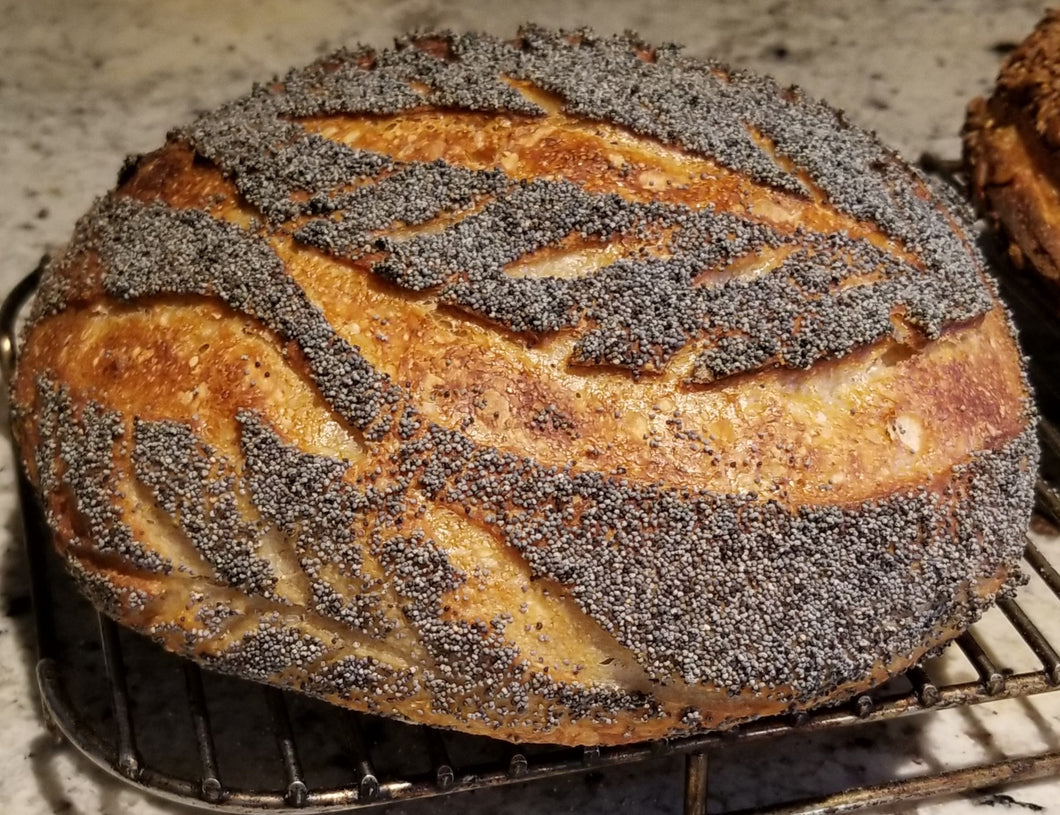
{"x": 687, "y": 438}
{"x": 1012, "y": 147}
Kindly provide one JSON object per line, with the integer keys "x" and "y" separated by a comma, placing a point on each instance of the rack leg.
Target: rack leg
{"x": 696, "y": 783}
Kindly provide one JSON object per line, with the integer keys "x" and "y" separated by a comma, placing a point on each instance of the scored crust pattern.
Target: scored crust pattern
{"x": 339, "y": 574}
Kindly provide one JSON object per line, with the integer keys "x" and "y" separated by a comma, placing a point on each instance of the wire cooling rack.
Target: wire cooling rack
{"x": 221, "y": 744}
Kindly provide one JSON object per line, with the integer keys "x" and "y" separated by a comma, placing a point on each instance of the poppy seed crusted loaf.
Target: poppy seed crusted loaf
{"x": 1011, "y": 148}
{"x": 561, "y": 389}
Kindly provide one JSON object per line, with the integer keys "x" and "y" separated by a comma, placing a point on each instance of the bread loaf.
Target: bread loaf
{"x": 1012, "y": 148}
{"x": 562, "y": 389}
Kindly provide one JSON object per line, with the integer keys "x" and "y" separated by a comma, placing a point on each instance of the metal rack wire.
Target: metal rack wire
{"x": 93, "y": 682}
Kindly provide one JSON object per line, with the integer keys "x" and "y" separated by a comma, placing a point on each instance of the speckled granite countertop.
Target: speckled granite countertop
{"x": 85, "y": 84}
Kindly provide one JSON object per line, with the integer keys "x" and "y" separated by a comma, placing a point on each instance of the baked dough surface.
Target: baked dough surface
{"x": 1012, "y": 149}
{"x": 561, "y": 390}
